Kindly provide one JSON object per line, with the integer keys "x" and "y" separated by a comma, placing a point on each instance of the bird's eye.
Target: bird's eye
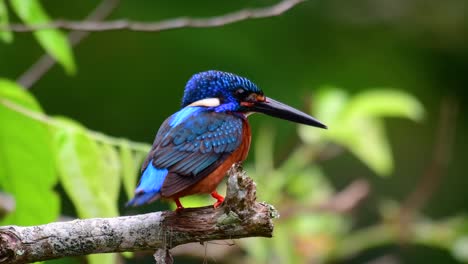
{"x": 240, "y": 94}
{"x": 240, "y": 91}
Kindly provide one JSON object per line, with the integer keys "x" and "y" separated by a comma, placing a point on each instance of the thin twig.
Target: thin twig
{"x": 45, "y": 62}
{"x": 347, "y": 199}
{"x": 341, "y": 202}
{"x": 98, "y": 136}
{"x": 434, "y": 173}
{"x": 175, "y": 23}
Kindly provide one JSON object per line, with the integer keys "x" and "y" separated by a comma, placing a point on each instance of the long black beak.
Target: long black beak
{"x": 277, "y": 109}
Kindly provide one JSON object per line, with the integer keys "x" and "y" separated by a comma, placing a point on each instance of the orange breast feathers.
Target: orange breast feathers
{"x": 210, "y": 182}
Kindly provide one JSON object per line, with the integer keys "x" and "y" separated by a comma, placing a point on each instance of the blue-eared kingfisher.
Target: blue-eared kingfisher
{"x": 195, "y": 147}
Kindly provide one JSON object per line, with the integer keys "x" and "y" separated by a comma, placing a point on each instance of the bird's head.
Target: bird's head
{"x": 227, "y": 92}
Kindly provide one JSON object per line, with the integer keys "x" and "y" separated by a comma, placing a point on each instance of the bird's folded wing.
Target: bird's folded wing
{"x": 194, "y": 147}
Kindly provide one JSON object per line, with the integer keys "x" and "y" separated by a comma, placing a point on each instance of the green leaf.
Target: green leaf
{"x": 5, "y": 35}
{"x": 329, "y": 103}
{"x": 356, "y": 124}
{"x": 111, "y": 172}
{"x": 53, "y": 41}
{"x": 368, "y": 141}
{"x": 129, "y": 168}
{"x": 27, "y": 169}
{"x": 460, "y": 249}
{"x": 364, "y": 133}
{"x": 384, "y": 103}
{"x": 328, "y": 106}
{"x": 82, "y": 170}
{"x": 89, "y": 174}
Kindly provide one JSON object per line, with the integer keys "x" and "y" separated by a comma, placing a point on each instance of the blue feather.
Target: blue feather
{"x": 183, "y": 114}
{"x": 150, "y": 185}
{"x": 217, "y": 84}
{"x": 195, "y": 141}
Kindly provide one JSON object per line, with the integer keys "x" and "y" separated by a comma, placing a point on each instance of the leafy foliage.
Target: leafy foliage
{"x": 90, "y": 172}
{"x": 38, "y": 151}
{"x": 129, "y": 165}
{"x": 53, "y": 41}
{"x": 358, "y": 125}
{"x": 84, "y": 173}
{"x": 5, "y": 36}
{"x": 92, "y": 167}
{"x": 26, "y": 160}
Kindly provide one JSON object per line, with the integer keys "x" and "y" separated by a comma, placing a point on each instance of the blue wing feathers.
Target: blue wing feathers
{"x": 172, "y": 157}
{"x": 183, "y": 114}
{"x": 206, "y": 163}
{"x": 150, "y": 185}
{"x": 187, "y": 167}
{"x": 199, "y": 131}
{"x": 189, "y": 145}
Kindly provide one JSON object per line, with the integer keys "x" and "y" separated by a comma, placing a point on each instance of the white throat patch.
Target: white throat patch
{"x": 207, "y": 102}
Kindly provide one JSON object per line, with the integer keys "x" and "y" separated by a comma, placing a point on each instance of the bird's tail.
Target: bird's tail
{"x": 143, "y": 198}
{"x": 148, "y": 189}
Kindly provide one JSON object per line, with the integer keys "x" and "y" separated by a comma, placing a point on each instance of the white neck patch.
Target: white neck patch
{"x": 207, "y": 102}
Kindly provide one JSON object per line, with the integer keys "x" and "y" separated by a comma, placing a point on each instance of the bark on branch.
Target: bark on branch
{"x": 240, "y": 216}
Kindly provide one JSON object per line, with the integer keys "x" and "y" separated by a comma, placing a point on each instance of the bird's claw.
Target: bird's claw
{"x": 217, "y": 204}
{"x": 218, "y": 197}
{"x": 179, "y": 205}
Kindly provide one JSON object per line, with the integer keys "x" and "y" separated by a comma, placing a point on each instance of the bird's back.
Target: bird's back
{"x": 191, "y": 153}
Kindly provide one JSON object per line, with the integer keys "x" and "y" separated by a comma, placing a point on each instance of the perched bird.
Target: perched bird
{"x": 196, "y": 146}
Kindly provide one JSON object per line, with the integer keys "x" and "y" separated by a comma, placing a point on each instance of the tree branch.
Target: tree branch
{"x": 239, "y": 216}
{"x": 176, "y": 23}
{"x": 436, "y": 169}
{"x": 342, "y": 202}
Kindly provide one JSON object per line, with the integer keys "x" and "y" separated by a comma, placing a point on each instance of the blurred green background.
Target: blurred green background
{"x": 127, "y": 83}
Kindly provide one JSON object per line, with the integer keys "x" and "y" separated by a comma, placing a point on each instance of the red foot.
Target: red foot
{"x": 179, "y": 205}
{"x": 218, "y": 197}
